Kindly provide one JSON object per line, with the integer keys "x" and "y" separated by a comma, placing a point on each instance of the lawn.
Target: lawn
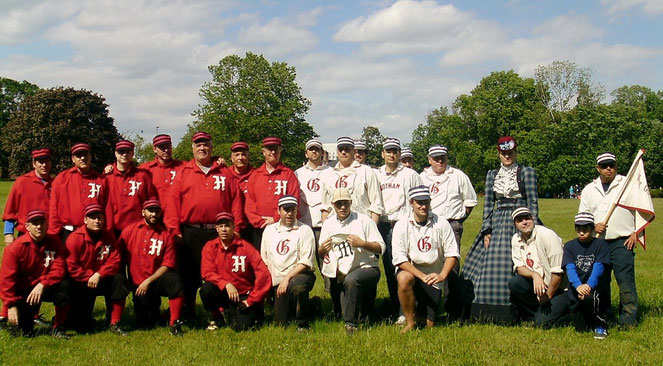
{"x": 381, "y": 343}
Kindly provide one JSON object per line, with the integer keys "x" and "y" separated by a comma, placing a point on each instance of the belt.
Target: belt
{"x": 202, "y": 226}
{"x": 507, "y": 200}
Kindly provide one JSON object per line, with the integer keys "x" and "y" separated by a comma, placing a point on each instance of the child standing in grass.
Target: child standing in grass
{"x": 585, "y": 259}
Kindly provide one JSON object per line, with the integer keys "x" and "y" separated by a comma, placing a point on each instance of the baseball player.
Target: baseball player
{"x": 349, "y": 242}
{"x": 73, "y": 190}
{"x": 128, "y": 186}
{"x": 395, "y": 181}
{"x": 93, "y": 263}
{"x": 32, "y": 271}
{"x": 164, "y": 170}
{"x": 241, "y": 169}
{"x": 407, "y": 158}
{"x": 236, "y": 278}
{"x": 360, "y": 151}
{"x": 271, "y": 181}
{"x": 425, "y": 252}
{"x": 195, "y": 198}
{"x": 288, "y": 250}
{"x": 149, "y": 251}
{"x": 358, "y": 179}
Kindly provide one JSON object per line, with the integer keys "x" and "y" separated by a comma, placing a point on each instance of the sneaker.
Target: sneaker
{"x": 176, "y": 328}
{"x": 350, "y": 329}
{"x": 41, "y": 322}
{"x": 213, "y": 325}
{"x": 600, "y": 333}
{"x": 400, "y": 320}
{"x": 115, "y": 328}
{"x": 59, "y": 333}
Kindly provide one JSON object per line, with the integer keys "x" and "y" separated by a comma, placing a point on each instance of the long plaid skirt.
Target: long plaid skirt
{"x": 487, "y": 271}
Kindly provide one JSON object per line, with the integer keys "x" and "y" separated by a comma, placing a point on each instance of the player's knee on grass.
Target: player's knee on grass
{"x": 405, "y": 280}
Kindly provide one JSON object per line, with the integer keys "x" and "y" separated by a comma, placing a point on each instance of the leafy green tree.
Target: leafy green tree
{"x": 58, "y": 118}
{"x": 640, "y": 97}
{"x": 12, "y": 93}
{"x": 143, "y": 151}
{"x": 373, "y": 139}
{"x": 249, "y": 99}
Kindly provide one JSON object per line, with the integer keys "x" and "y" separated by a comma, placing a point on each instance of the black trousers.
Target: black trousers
{"x": 593, "y": 308}
{"x": 189, "y": 255}
{"x": 356, "y": 293}
{"x": 555, "y": 312}
{"x": 82, "y": 298}
{"x": 256, "y": 237}
{"x": 58, "y": 294}
{"x": 427, "y": 298}
{"x": 294, "y": 303}
{"x": 239, "y": 319}
{"x": 147, "y": 306}
{"x": 385, "y": 230}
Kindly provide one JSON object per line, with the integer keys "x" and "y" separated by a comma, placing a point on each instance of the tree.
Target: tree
{"x": 640, "y": 97}
{"x": 58, "y": 118}
{"x": 373, "y": 139}
{"x": 143, "y": 150}
{"x": 249, "y": 99}
{"x": 12, "y": 93}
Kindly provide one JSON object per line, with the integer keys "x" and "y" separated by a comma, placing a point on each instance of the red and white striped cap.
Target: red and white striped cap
{"x": 161, "y": 139}
{"x": 80, "y": 147}
{"x": 35, "y": 214}
{"x": 224, "y": 216}
{"x": 124, "y": 144}
{"x": 41, "y": 153}
{"x": 201, "y": 136}
{"x": 90, "y": 209}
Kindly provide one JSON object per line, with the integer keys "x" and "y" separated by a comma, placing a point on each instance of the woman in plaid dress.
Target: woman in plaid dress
{"x": 488, "y": 267}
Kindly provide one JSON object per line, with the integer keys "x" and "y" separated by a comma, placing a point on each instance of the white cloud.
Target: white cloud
{"x": 278, "y": 37}
{"x": 19, "y": 24}
{"x": 649, "y": 7}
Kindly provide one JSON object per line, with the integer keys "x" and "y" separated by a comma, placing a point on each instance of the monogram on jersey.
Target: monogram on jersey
{"x": 172, "y": 176}
{"x": 134, "y": 187}
{"x": 219, "y": 182}
{"x": 155, "y": 247}
{"x": 282, "y": 247}
{"x": 424, "y": 244}
{"x": 530, "y": 261}
{"x": 345, "y": 249}
{"x": 281, "y": 186}
{"x": 104, "y": 251}
{"x": 342, "y": 182}
{"x": 384, "y": 186}
{"x": 49, "y": 256}
{"x": 313, "y": 184}
{"x": 434, "y": 188}
{"x": 94, "y": 190}
{"x": 239, "y": 263}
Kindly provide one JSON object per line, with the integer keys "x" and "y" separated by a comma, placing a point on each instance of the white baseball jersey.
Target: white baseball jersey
{"x": 450, "y": 192}
{"x": 427, "y": 246}
{"x": 311, "y": 190}
{"x": 541, "y": 253}
{"x": 363, "y": 185}
{"x": 343, "y": 258}
{"x": 394, "y": 187}
{"x": 282, "y": 248}
{"x": 593, "y": 199}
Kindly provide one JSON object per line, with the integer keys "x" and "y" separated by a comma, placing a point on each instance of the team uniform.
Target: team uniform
{"x": 162, "y": 177}
{"x": 353, "y": 272}
{"x": 127, "y": 192}
{"x": 363, "y": 185}
{"x": 312, "y": 188}
{"x": 282, "y": 249}
{"x": 239, "y": 264}
{"x": 26, "y": 263}
{"x": 426, "y": 247}
{"x": 29, "y": 192}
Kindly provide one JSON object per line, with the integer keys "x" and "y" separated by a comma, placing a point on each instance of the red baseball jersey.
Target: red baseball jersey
{"x": 264, "y": 190}
{"x": 196, "y": 197}
{"x": 145, "y": 248}
{"x": 239, "y": 264}
{"x": 26, "y": 263}
{"x": 28, "y": 193}
{"x": 127, "y": 192}
{"x": 242, "y": 179}
{"x": 163, "y": 176}
{"x": 86, "y": 255}
{"x": 71, "y": 192}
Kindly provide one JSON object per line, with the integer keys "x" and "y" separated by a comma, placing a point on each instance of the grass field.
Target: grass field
{"x": 327, "y": 342}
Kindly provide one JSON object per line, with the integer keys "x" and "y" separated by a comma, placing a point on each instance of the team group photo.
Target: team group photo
{"x": 452, "y": 212}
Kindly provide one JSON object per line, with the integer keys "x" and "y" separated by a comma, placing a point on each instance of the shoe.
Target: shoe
{"x": 3, "y": 323}
{"x": 41, "y": 322}
{"x": 213, "y": 325}
{"x": 115, "y": 328}
{"x": 350, "y": 329}
{"x": 600, "y": 333}
{"x": 400, "y": 320}
{"x": 303, "y": 328}
{"x": 59, "y": 333}
{"x": 176, "y": 328}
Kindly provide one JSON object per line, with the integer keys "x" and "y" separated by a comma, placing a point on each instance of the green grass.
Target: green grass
{"x": 327, "y": 343}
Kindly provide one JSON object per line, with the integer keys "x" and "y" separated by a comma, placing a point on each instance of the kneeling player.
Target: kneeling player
{"x": 288, "y": 249}
{"x": 33, "y": 269}
{"x": 94, "y": 264}
{"x": 425, "y": 251}
{"x": 148, "y": 249}
{"x": 236, "y": 278}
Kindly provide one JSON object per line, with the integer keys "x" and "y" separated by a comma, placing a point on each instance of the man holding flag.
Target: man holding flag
{"x": 622, "y": 208}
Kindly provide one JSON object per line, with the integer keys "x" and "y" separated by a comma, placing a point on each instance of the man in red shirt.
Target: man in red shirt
{"x": 271, "y": 181}
{"x": 236, "y": 278}
{"x": 128, "y": 186}
{"x": 164, "y": 169}
{"x": 33, "y": 269}
{"x": 73, "y": 190}
{"x": 148, "y": 249}
{"x": 93, "y": 261}
{"x": 241, "y": 170}
{"x": 203, "y": 188}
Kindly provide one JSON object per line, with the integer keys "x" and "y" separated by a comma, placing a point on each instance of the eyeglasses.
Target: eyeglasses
{"x": 607, "y": 165}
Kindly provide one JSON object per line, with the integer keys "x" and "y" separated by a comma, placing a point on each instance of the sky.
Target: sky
{"x": 381, "y": 63}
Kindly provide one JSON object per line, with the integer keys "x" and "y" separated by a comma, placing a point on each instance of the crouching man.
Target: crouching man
{"x": 288, "y": 249}
{"x": 33, "y": 269}
{"x": 236, "y": 278}
{"x": 148, "y": 249}
{"x": 349, "y": 244}
{"x": 536, "y": 289}
{"x": 425, "y": 252}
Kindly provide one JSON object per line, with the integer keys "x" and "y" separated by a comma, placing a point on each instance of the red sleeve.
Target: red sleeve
{"x": 237, "y": 204}
{"x": 11, "y": 206}
{"x": 74, "y": 266}
{"x": 112, "y": 264}
{"x": 208, "y": 268}
{"x": 250, "y": 203}
{"x": 122, "y": 245}
{"x": 169, "y": 254}
{"x": 108, "y": 207}
{"x": 263, "y": 280}
{"x": 9, "y": 276}
{"x": 54, "y": 222}
{"x": 172, "y": 214}
{"x": 57, "y": 268}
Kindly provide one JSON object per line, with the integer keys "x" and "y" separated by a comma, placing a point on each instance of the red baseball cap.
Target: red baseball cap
{"x": 80, "y": 147}
{"x": 506, "y": 143}
{"x": 35, "y": 214}
{"x": 151, "y": 203}
{"x": 239, "y": 145}
{"x": 124, "y": 144}
{"x": 41, "y": 153}
{"x": 199, "y": 136}
{"x": 271, "y": 141}
{"x": 161, "y": 139}
{"x": 90, "y": 209}
{"x": 224, "y": 216}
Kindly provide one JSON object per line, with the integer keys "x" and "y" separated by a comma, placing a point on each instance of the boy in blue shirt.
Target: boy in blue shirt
{"x": 585, "y": 259}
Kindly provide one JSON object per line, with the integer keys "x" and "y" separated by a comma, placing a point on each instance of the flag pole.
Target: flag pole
{"x": 630, "y": 174}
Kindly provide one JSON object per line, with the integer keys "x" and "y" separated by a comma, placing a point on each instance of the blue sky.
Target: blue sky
{"x": 381, "y": 63}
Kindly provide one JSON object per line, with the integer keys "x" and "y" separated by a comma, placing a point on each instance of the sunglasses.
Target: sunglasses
{"x": 607, "y": 165}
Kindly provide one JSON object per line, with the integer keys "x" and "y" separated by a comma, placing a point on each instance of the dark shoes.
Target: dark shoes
{"x": 115, "y": 328}
{"x": 59, "y": 333}
{"x": 176, "y": 328}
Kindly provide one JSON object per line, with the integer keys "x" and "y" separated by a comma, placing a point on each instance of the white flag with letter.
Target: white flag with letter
{"x": 637, "y": 197}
